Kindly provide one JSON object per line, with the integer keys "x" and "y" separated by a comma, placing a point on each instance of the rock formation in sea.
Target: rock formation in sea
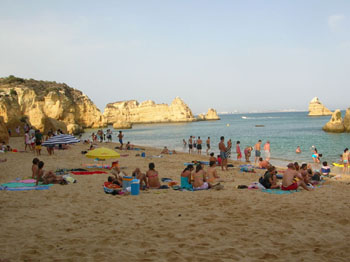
{"x": 46, "y": 105}
{"x": 347, "y": 120}
{"x": 133, "y": 112}
{"x": 212, "y": 115}
{"x": 336, "y": 124}
{"x": 316, "y": 108}
{"x": 4, "y": 135}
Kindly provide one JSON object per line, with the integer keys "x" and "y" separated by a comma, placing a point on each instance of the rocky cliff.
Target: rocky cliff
{"x": 4, "y": 135}
{"x": 147, "y": 112}
{"x": 316, "y": 108}
{"x": 337, "y": 124}
{"x": 212, "y": 115}
{"x": 44, "y": 103}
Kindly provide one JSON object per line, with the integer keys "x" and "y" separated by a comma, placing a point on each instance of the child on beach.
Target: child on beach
{"x": 325, "y": 169}
{"x": 238, "y": 151}
{"x": 35, "y": 167}
{"x": 140, "y": 176}
{"x": 247, "y": 152}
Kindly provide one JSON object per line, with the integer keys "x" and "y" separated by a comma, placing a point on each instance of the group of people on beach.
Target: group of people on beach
{"x": 46, "y": 177}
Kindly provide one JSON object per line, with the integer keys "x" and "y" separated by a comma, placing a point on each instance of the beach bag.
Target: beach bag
{"x": 264, "y": 182}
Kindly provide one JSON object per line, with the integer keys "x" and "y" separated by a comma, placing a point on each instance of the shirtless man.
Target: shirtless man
{"x": 190, "y": 145}
{"x": 208, "y": 145}
{"x": 212, "y": 174}
{"x": 222, "y": 149}
{"x": 267, "y": 150}
{"x": 120, "y": 137}
{"x": 165, "y": 150}
{"x": 263, "y": 163}
{"x": 199, "y": 145}
{"x": 257, "y": 148}
{"x": 288, "y": 179}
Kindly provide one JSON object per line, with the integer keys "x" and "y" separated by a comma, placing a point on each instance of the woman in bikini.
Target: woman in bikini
{"x": 152, "y": 177}
{"x": 200, "y": 179}
{"x": 345, "y": 159}
{"x": 186, "y": 177}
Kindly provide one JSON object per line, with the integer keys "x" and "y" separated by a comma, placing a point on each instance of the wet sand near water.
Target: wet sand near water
{"x": 79, "y": 222}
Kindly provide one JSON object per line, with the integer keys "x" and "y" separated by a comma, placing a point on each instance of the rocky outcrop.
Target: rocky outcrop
{"x": 336, "y": 124}
{"x": 147, "y": 112}
{"x": 4, "y": 135}
{"x": 347, "y": 120}
{"x": 42, "y": 100}
{"x": 212, "y": 115}
{"x": 122, "y": 125}
{"x": 53, "y": 124}
{"x": 316, "y": 108}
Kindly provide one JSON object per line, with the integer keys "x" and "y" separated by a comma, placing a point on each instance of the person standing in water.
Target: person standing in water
{"x": 120, "y": 137}
{"x": 238, "y": 151}
{"x": 257, "y": 148}
{"x": 267, "y": 151}
{"x": 208, "y": 145}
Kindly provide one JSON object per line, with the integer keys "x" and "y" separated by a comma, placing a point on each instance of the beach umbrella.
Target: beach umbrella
{"x": 60, "y": 139}
{"x": 102, "y": 153}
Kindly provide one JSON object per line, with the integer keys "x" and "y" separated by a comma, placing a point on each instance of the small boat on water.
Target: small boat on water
{"x": 259, "y": 125}
{"x": 244, "y": 117}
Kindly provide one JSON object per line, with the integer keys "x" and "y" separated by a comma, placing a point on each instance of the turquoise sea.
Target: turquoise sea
{"x": 285, "y": 131}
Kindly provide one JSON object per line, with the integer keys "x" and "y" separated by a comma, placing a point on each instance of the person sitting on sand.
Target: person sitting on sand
{"x": 165, "y": 150}
{"x": 186, "y": 177}
{"x": 212, "y": 174}
{"x": 129, "y": 146}
{"x": 270, "y": 179}
{"x": 47, "y": 177}
{"x": 212, "y": 157}
{"x": 140, "y": 176}
{"x": 200, "y": 179}
{"x": 263, "y": 163}
{"x": 118, "y": 175}
{"x": 152, "y": 177}
{"x": 288, "y": 182}
{"x": 325, "y": 169}
{"x": 35, "y": 167}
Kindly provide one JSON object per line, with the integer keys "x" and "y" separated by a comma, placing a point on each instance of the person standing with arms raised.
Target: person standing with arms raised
{"x": 222, "y": 149}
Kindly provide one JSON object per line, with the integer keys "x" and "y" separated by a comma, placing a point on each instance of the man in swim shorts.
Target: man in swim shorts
{"x": 223, "y": 149}
{"x": 120, "y": 137}
{"x": 199, "y": 145}
{"x": 288, "y": 181}
{"x": 267, "y": 151}
{"x": 190, "y": 145}
{"x": 257, "y": 148}
{"x": 208, "y": 145}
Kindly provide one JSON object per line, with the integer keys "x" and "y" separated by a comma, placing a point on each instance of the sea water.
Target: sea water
{"x": 285, "y": 131}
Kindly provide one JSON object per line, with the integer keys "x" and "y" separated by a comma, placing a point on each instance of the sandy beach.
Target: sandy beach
{"x": 79, "y": 222}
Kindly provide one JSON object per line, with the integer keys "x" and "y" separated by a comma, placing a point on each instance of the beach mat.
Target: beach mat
{"x": 24, "y": 185}
{"x": 45, "y": 187}
{"x": 279, "y": 191}
{"x": 88, "y": 172}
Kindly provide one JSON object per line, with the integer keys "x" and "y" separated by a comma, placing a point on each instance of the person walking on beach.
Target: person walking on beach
{"x": 238, "y": 151}
{"x": 208, "y": 145}
{"x": 190, "y": 145}
{"x": 120, "y": 137}
{"x": 222, "y": 149}
{"x": 38, "y": 141}
{"x": 257, "y": 148}
{"x": 267, "y": 151}
{"x": 345, "y": 159}
{"x": 199, "y": 145}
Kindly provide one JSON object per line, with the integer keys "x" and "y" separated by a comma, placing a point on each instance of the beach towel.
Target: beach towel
{"x": 88, "y": 172}
{"x": 279, "y": 191}
{"x": 97, "y": 166}
{"x": 26, "y": 181}
{"x": 25, "y": 185}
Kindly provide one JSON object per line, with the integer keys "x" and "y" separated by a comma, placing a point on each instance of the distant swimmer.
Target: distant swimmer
{"x": 298, "y": 150}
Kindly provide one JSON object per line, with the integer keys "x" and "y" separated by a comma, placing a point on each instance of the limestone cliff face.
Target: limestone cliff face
{"x": 347, "y": 120}
{"x": 40, "y": 101}
{"x": 316, "y": 108}
{"x": 4, "y": 135}
{"x": 336, "y": 124}
{"x": 212, "y": 115}
{"x": 148, "y": 112}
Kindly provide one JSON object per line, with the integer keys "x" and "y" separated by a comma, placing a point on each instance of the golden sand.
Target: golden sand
{"x": 79, "y": 222}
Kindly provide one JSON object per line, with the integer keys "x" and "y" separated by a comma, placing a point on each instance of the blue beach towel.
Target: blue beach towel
{"x": 279, "y": 191}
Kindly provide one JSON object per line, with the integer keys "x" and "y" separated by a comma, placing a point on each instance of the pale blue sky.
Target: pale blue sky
{"x": 231, "y": 55}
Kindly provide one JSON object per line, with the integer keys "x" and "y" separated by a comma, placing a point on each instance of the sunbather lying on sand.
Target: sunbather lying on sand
{"x": 167, "y": 151}
{"x": 47, "y": 177}
{"x": 3, "y": 160}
